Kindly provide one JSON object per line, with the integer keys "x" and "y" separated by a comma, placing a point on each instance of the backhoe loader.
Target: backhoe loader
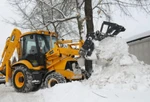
{"x": 43, "y": 60}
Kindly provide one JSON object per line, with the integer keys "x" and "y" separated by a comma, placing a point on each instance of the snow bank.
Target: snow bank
{"x": 109, "y": 48}
{"x": 69, "y": 92}
{"x": 78, "y": 92}
{"x": 122, "y": 70}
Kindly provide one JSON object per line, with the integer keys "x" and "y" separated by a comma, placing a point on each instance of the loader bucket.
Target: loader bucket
{"x": 108, "y": 29}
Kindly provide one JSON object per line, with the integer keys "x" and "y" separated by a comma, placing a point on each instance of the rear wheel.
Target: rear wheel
{"x": 22, "y": 79}
{"x": 53, "y": 79}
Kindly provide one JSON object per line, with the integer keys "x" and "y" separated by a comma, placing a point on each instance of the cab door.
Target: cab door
{"x": 31, "y": 51}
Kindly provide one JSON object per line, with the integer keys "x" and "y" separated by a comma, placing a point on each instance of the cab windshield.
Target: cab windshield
{"x": 44, "y": 42}
{"x": 31, "y": 44}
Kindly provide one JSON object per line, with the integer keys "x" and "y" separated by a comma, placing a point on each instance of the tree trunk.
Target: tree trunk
{"x": 79, "y": 18}
{"x": 90, "y": 28}
{"x": 89, "y": 15}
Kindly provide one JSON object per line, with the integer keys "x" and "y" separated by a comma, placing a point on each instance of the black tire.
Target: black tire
{"x": 53, "y": 79}
{"x": 22, "y": 82}
{"x": 36, "y": 87}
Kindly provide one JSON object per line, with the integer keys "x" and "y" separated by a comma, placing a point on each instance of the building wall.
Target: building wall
{"x": 141, "y": 49}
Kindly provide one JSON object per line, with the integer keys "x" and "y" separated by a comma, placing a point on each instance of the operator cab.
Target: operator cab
{"x": 34, "y": 47}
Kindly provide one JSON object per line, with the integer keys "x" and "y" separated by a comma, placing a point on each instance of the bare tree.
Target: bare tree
{"x": 67, "y": 16}
{"x": 106, "y": 7}
{"x": 46, "y": 14}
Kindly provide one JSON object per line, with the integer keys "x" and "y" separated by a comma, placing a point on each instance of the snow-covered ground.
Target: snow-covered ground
{"x": 75, "y": 92}
{"x": 122, "y": 78}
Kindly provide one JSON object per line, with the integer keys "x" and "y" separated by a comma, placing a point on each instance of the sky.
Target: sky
{"x": 6, "y": 29}
{"x": 136, "y": 25}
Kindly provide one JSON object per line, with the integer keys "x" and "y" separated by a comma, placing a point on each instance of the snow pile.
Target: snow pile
{"x": 69, "y": 92}
{"x": 122, "y": 70}
{"x": 109, "y": 48}
{"x": 78, "y": 92}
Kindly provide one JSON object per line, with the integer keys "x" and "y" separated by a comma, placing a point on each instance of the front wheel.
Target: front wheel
{"x": 53, "y": 79}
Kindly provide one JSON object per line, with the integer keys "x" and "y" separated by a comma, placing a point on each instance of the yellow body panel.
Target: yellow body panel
{"x": 40, "y": 32}
{"x": 58, "y": 57}
{"x": 69, "y": 74}
{"x": 28, "y": 65}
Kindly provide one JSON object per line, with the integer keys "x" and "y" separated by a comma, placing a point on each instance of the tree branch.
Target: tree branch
{"x": 26, "y": 16}
{"x": 62, "y": 20}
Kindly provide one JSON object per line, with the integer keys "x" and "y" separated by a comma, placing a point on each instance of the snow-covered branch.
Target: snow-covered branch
{"x": 62, "y": 20}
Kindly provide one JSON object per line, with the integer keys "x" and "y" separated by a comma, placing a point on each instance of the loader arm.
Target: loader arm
{"x": 60, "y": 52}
{"x": 12, "y": 43}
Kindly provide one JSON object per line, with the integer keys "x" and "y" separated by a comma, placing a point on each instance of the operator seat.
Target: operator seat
{"x": 32, "y": 56}
{"x": 35, "y": 58}
{"x": 33, "y": 50}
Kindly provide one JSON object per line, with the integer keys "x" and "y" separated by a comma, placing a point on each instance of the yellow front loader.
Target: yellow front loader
{"x": 42, "y": 60}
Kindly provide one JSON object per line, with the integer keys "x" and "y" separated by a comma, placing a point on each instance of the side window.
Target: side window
{"x": 42, "y": 45}
{"x": 53, "y": 41}
{"x": 29, "y": 46}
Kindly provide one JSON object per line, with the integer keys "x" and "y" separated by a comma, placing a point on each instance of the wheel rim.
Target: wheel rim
{"x": 52, "y": 82}
{"x": 19, "y": 79}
